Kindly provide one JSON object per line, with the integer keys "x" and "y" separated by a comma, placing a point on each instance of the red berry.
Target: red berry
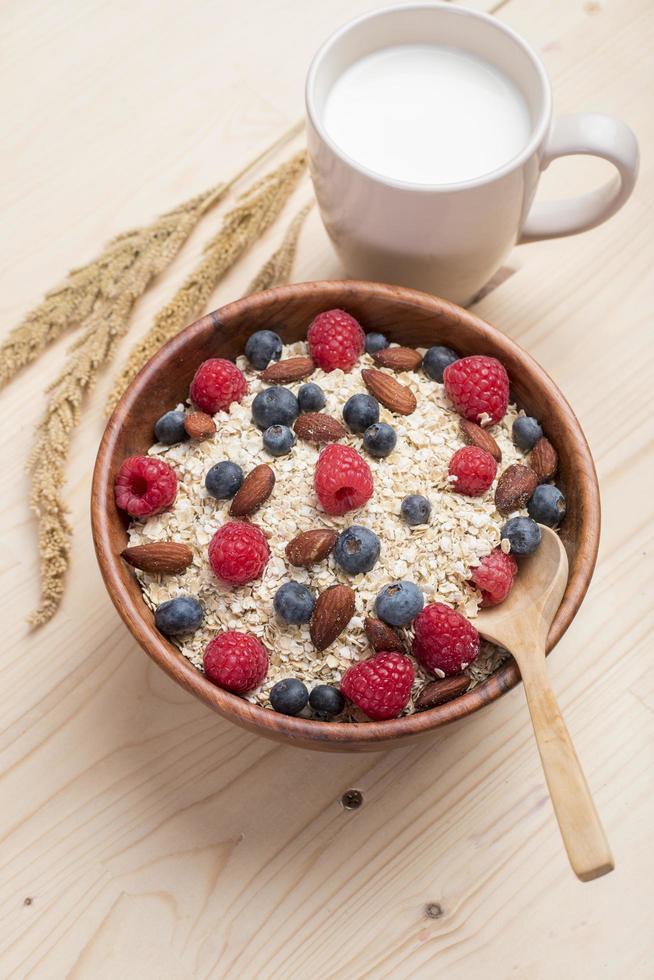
{"x": 336, "y": 340}
{"x": 236, "y": 661}
{"x": 342, "y": 479}
{"x": 381, "y": 686}
{"x": 474, "y": 470}
{"x": 216, "y": 384}
{"x": 238, "y": 553}
{"x": 444, "y": 639}
{"x": 494, "y": 576}
{"x": 477, "y": 385}
{"x": 144, "y": 486}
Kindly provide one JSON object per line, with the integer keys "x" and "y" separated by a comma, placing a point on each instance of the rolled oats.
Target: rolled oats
{"x": 437, "y": 556}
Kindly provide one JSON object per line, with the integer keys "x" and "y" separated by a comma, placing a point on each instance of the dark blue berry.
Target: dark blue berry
{"x": 399, "y": 603}
{"x": 169, "y": 429}
{"x": 326, "y": 700}
{"x": 294, "y": 603}
{"x": 289, "y": 696}
{"x": 436, "y": 360}
{"x": 523, "y": 535}
{"x": 379, "y": 440}
{"x": 360, "y": 412}
{"x": 415, "y": 509}
{"x": 357, "y": 549}
{"x": 311, "y": 397}
{"x": 223, "y": 480}
{"x": 547, "y": 505}
{"x": 181, "y": 615}
{"x": 375, "y": 342}
{"x": 278, "y": 440}
{"x": 526, "y": 432}
{"x": 263, "y": 347}
{"x": 275, "y": 406}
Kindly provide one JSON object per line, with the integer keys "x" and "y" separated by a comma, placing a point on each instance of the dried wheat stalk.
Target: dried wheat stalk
{"x": 104, "y": 327}
{"x": 278, "y": 268}
{"x": 102, "y": 281}
{"x": 71, "y": 303}
{"x": 242, "y": 226}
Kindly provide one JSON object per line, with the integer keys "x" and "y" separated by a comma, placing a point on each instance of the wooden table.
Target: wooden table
{"x": 141, "y": 835}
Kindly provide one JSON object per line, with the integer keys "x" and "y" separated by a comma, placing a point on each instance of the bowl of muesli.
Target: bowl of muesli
{"x": 303, "y": 500}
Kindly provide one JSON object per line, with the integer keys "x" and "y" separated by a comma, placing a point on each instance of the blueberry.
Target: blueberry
{"x": 360, "y": 412}
{"x": 311, "y": 397}
{"x": 526, "y": 432}
{"x": 294, "y": 603}
{"x": 326, "y": 700}
{"x": 523, "y": 535}
{"x": 375, "y": 342}
{"x": 169, "y": 429}
{"x": 547, "y": 505}
{"x": 379, "y": 440}
{"x": 275, "y": 406}
{"x": 436, "y": 360}
{"x": 289, "y": 696}
{"x": 399, "y": 603}
{"x": 181, "y": 615}
{"x": 223, "y": 480}
{"x": 263, "y": 347}
{"x": 357, "y": 549}
{"x": 415, "y": 509}
{"x": 278, "y": 440}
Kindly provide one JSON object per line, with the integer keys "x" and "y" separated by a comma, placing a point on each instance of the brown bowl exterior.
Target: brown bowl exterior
{"x": 405, "y": 316}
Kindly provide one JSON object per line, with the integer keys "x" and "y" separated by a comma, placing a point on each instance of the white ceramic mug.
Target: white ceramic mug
{"x": 449, "y": 239}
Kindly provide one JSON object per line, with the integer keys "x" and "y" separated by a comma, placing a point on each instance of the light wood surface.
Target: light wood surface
{"x": 142, "y": 836}
{"x": 521, "y": 625}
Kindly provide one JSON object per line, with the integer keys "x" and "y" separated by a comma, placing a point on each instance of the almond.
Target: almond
{"x": 514, "y": 488}
{"x": 441, "y": 691}
{"x": 398, "y": 358}
{"x": 333, "y": 611}
{"x": 291, "y": 369}
{"x": 310, "y": 547}
{"x": 198, "y": 425}
{"x": 544, "y": 460}
{"x": 382, "y": 637}
{"x": 394, "y": 396}
{"x": 159, "y": 557}
{"x": 473, "y": 435}
{"x": 318, "y": 427}
{"x": 255, "y": 490}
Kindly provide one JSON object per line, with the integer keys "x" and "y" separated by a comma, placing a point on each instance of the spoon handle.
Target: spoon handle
{"x": 584, "y": 838}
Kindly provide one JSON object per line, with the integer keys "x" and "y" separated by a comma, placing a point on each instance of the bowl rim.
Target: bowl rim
{"x": 344, "y": 735}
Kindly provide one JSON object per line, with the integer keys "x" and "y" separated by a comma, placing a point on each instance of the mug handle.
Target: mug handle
{"x": 594, "y": 135}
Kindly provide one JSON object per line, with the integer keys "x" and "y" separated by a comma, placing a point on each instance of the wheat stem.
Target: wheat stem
{"x": 243, "y": 225}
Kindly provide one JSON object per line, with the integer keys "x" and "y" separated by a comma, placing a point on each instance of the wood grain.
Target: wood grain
{"x": 401, "y": 314}
{"x": 142, "y": 836}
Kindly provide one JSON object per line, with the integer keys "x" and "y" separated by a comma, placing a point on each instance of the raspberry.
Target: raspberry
{"x": 477, "y": 386}
{"x": 144, "y": 486}
{"x": 444, "y": 640}
{"x": 342, "y": 479}
{"x": 335, "y": 340}
{"x": 381, "y": 686}
{"x": 216, "y": 384}
{"x": 474, "y": 470}
{"x": 238, "y": 553}
{"x": 236, "y": 661}
{"x": 494, "y": 577}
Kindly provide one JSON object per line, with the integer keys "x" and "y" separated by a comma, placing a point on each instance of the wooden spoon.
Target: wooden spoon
{"x": 521, "y": 624}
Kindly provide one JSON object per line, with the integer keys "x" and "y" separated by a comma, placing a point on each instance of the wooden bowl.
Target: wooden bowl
{"x": 405, "y": 316}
